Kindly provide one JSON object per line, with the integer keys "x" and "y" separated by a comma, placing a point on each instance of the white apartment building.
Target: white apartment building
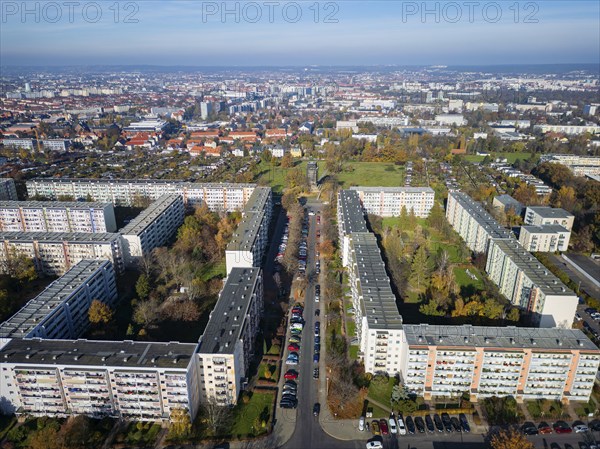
{"x": 227, "y": 344}
{"x": 529, "y": 285}
{"x": 61, "y": 310}
{"x": 247, "y": 246}
{"x": 26, "y": 144}
{"x": 526, "y": 363}
{"x": 543, "y": 215}
{"x": 152, "y": 228}
{"x": 53, "y": 253}
{"x": 472, "y": 222}
{"x": 350, "y": 219}
{"x": 55, "y": 144}
{"x": 8, "y": 191}
{"x": 568, "y": 129}
{"x": 389, "y": 201}
{"x": 226, "y": 197}
{"x": 138, "y": 381}
{"x": 378, "y": 323}
{"x": 451, "y": 119}
{"x": 579, "y": 165}
{"x": 545, "y": 238}
{"x": 56, "y": 216}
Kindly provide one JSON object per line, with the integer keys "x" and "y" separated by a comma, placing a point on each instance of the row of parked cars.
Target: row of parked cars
{"x": 530, "y": 428}
{"x": 289, "y": 395}
{"x": 419, "y": 424}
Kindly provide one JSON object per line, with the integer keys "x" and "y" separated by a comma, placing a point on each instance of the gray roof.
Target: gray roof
{"x": 43, "y": 305}
{"x": 508, "y": 200}
{"x": 58, "y": 237}
{"x": 254, "y": 212}
{"x": 544, "y": 229}
{"x": 99, "y": 354}
{"x": 353, "y": 217}
{"x": 532, "y": 267}
{"x": 378, "y": 301}
{"x": 150, "y": 214}
{"x": 228, "y": 317}
{"x": 483, "y": 218}
{"x": 498, "y": 337}
{"x": 52, "y": 205}
{"x": 394, "y": 189}
{"x": 137, "y": 181}
{"x": 550, "y": 212}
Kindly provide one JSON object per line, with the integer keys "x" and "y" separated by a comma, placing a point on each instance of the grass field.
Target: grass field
{"x": 463, "y": 279}
{"x": 371, "y": 174}
{"x": 249, "y": 417}
{"x": 510, "y": 157}
{"x": 381, "y": 391}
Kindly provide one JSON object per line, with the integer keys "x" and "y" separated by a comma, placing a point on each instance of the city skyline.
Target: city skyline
{"x": 294, "y": 33}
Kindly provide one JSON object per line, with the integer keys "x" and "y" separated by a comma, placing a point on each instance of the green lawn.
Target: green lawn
{"x": 210, "y": 271}
{"x": 248, "y": 418}
{"x": 275, "y": 176}
{"x": 273, "y": 369}
{"x": 353, "y": 352}
{"x": 510, "y": 157}
{"x": 378, "y": 412}
{"x": 372, "y": 174}
{"x": 463, "y": 280}
{"x": 381, "y": 391}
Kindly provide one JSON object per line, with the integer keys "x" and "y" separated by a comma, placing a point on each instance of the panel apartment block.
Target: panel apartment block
{"x": 61, "y": 310}
{"x": 529, "y": 285}
{"x": 250, "y": 239}
{"x": 58, "y": 216}
{"x": 543, "y": 215}
{"x": 378, "y": 323}
{"x": 8, "y": 191}
{"x": 153, "y": 227}
{"x": 131, "y": 380}
{"x": 473, "y": 223}
{"x": 217, "y": 196}
{"x": 350, "y": 218}
{"x": 389, "y": 201}
{"x": 53, "y": 253}
{"x": 227, "y": 345}
{"x": 545, "y": 238}
{"x": 527, "y": 363}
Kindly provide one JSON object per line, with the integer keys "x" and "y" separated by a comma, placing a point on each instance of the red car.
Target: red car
{"x": 297, "y": 310}
{"x": 383, "y": 426}
{"x": 544, "y": 428}
{"x": 293, "y": 347}
{"x": 562, "y": 427}
{"x": 291, "y": 374}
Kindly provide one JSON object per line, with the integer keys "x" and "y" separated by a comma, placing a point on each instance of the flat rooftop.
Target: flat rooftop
{"x": 35, "y": 312}
{"x": 394, "y": 189}
{"x": 509, "y": 337}
{"x": 228, "y": 317}
{"x": 508, "y": 200}
{"x": 532, "y": 267}
{"x": 139, "y": 181}
{"x": 545, "y": 229}
{"x": 481, "y": 216}
{"x": 58, "y": 237}
{"x": 378, "y": 301}
{"x": 352, "y": 213}
{"x": 149, "y": 215}
{"x": 52, "y": 205}
{"x": 98, "y": 354}
{"x": 254, "y": 212}
{"x": 549, "y": 212}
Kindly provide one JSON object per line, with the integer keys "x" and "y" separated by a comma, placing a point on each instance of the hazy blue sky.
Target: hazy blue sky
{"x": 370, "y": 32}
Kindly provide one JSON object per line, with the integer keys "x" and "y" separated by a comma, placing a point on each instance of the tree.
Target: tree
{"x": 20, "y": 266}
{"x": 142, "y": 286}
{"x": 181, "y": 425}
{"x": 45, "y": 438}
{"x": 510, "y": 439}
{"x": 418, "y": 268}
{"x": 216, "y": 416}
{"x": 146, "y": 312}
{"x": 100, "y": 312}
{"x": 287, "y": 161}
{"x": 76, "y": 432}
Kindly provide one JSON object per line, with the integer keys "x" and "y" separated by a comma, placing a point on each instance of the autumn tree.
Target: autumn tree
{"x": 45, "y": 438}
{"x": 419, "y": 269}
{"x": 510, "y": 439}
{"x": 146, "y": 312}
{"x": 287, "y": 161}
{"x": 100, "y": 312}
{"x": 180, "y": 426}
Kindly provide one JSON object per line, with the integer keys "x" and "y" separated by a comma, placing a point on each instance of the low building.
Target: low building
{"x": 128, "y": 380}
{"x": 17, "y": 143}
{"x": 506, "y": 203}
{"x": 543, "y": 215}
{"x": 545, "y": 238}
{"x": 152, "y": 228}
{"x": 53, "y": 253}
{"x": 389, "y": 201}
{"x": 226, "y": 347}
{"x": 56, "y": 216}
{"x": 451, "y": 119}
{"x": 61, "y": 310}
{"x": 525, "y": 363}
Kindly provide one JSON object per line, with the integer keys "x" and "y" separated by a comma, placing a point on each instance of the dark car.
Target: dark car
{"x": 456, "y": 424}
{"x": 317, "y": 312}
{"x": 464, "y": 423}
{"x": 562, "y": 427}
{"x": 316, "y": 409}
{"x": 317, "y": 347}
{"x": 429, "y": 424}
{"x": 447, "y": 422}
{"x": 595, "y": 425}
{"x": 410, "y": 425}
{"x": 383, "y": 425}
{"x": 439, "y": 425}
{"x": 529, "y": 428}
{"x": 544, "y": 428}
{"x": 420, "y": 424}
{"x": 316, "y": 358}
{"x": 316, "y": 373}
{"x": 317, "y": 339}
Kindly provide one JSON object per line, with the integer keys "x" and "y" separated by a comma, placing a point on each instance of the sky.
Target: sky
{"x": 298, "y": 33}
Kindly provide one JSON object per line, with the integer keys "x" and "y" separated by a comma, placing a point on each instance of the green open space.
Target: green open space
{"x": 380, "y": 390}
{"x": 464, "y": 280}
{"x": 141, "y": 434}
{"x": 510, "y": 157}
{"x": 249, "y": 418}
{"x": 275, "y": 176}
{"x": 371, "y": 174}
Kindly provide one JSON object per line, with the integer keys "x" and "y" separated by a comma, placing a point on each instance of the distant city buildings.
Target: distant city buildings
{"x": 579, "y": 165}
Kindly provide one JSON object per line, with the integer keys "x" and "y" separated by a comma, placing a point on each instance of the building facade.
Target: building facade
{"x": 546, "y": 238}
{"x": 8, "y": 191}
{"x": 53, "y": 253}
{"x": 61, "y": 310}
{"x": 543, "y": 215}
{"x": 152, "y": 228}
{"x": 59, "y": 216}
{"x": 389, "y": 201}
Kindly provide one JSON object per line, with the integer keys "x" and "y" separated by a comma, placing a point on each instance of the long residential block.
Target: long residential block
{"x": 389, "y": 201}
{"x": 472, "y": 222}
{"x": 227, "y": 344}
{"x": 248, "y": 244}
{"x": 217, "y": 196}
{"x": 152, "y": 228}
{"x": 138, "y": 381}
{"x": 56, "y": 216}
{"x": 526, "y": 363}
{"x": 53, "y": 253}
{"x": 530, "y": 285}
{"x": 61, "y": 310}
{"x": 350, "y": 218}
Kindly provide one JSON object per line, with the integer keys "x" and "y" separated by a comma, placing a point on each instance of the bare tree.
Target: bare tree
{"x": 216, "y": 415}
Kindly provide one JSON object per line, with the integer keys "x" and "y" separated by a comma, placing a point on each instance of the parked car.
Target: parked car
{"x": 293, "y": 347}
{"x": 316, "y": 358}
{"x": 447, "y": 422}
{"x": 439, "y": 425}
{"x": 410, "y": 425}
{"x": 361, "y": 424}
{"x": 288, "y": 387}
{"x": 374, "y": 444}
{"x": 429, "y": 424}
{"x": 316, "y": 373}
{"x": 295, "y": 339}
{"x": 595, "y": 425}
{"x": 456, "y": 424}
{"x": 375, "y": 427}
{"x": 316, "y": 409}
{"x": 544, "y": 428}
{"x": 392, "y": 425}
{"x": 464, "y": 422}
{"x": 529, "y": 428}
{"x": 317, "y": 312}
{"x": 420, "y": 424}
{"x": 291, "y": 374}
{"x": 562, "y": 427}
{"x": 401, "y": 426}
